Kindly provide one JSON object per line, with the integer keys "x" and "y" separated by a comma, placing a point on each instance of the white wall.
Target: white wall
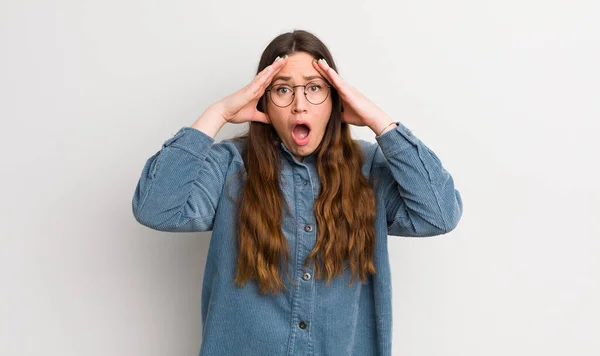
{"x": 505, "y": 92}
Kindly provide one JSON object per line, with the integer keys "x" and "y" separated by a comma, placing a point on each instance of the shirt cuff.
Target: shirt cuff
{"x": 191, "y": 140}
{"x": 398, "y": 139}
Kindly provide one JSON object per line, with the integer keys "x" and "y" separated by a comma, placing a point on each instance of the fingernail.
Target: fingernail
{"x": 323, "y": 59}
{"x": 316, "y": 60}
{"x": 285, "y": 55}
{"x": 276, "y": 59}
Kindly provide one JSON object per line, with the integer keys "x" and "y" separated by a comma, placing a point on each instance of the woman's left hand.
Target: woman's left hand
{"x": 358, "y": 110}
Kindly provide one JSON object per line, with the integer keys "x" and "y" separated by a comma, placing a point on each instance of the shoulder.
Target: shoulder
{"x": 367, "y": 147}
{"x": 228, "y": 152}
{"x": 372, "y": 156}
{"x": 203, "y": 146}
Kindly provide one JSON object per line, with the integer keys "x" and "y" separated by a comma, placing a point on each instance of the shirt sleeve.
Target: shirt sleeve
{"x": 418, "y": 192}
{"x": 180, "y": 185}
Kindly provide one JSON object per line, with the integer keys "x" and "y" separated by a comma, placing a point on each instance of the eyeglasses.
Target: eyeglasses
{"x": 315, "y": 91}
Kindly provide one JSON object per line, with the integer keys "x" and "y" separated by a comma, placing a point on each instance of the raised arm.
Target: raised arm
{"x": 420, "y": 199}
{"x": 181, "y": 184}
{"x": 419, "y": 193}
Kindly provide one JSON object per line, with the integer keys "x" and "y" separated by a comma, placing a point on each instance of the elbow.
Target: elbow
{"x": 172, "y": 221}
{"x": 455, "y": 212}
{"x": 143, "y": 218}
{"x": 153, "y": 222}
{"x": 451, "y": 226}
{"x": 444, "y": 222}
{"x": 147, "y": 217}
{"x": 137, "y": 202}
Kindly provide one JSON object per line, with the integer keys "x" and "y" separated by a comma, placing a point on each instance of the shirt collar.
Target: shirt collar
{"x": 310, "y": 159}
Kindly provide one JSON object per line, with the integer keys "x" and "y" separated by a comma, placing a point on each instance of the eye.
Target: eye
{"x": 315, "y": 88}
{"x": 282, "y": 90}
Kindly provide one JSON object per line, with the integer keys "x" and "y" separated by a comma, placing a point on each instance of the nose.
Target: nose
{"x": 299, "y": 102}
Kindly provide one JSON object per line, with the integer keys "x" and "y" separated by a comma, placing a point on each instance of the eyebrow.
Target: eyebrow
{"x": 286, "y": 78}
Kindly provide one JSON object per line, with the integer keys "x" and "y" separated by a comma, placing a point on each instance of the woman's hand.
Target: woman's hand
{"x": 241, "y": 106}
{"x": 358, "y": 110}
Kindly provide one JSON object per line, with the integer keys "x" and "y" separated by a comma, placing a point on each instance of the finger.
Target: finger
{"x": 327, "y": 77}
{"x": 271, "y": 69}
{"x": 263, "y": 79}
{"x": 322, "y": 72}
{"x": 264, "y": 82}
{"x": 258, "y": 80}
{"x": 275, "y": 68}
{"x": 254, "y": 86}
{"x": 266, "y": 71}
{"x": 323, "y": 67}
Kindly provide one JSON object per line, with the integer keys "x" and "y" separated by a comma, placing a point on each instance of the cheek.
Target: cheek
{"x": 279, "y": 124}
{"x": 324, "y": 117}
{"x": 276, "y": 116}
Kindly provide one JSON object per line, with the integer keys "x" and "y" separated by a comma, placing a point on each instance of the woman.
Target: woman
{"x": 296, "y": 195}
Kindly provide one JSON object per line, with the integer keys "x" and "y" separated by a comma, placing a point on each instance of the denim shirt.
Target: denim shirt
{"x": 188, "y": 186}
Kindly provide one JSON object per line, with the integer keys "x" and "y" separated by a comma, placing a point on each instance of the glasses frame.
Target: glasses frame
{"x": 294, "y": 93}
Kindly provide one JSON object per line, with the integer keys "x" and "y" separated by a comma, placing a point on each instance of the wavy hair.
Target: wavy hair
{"x": 345, "y": 206}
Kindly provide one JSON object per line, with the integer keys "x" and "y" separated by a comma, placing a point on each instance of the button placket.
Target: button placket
{"x": 303, "y": 309}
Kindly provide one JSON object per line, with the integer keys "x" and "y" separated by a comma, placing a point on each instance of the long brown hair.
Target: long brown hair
{"x": 344, "y": 209}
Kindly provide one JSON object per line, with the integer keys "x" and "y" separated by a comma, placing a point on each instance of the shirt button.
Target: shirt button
{"x": 302, "y": 325}
{"x": 306, "y": 276}
{"x": 308, "y": 227}
{"x": 305, "y": 183}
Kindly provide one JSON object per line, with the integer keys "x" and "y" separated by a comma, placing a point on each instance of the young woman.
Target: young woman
{"x": 297, "y": 196}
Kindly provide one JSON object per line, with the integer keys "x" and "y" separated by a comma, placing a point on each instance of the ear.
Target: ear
{"x": 260, "y": 105}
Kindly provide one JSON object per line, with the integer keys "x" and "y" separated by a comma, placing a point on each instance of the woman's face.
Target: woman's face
{"x": 288, "y": 120}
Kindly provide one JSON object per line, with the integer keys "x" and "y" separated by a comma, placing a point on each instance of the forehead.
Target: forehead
{"x": 298, "y": 69}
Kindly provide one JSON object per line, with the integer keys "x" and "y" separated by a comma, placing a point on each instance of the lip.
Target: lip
{"x": 301, "y": 141}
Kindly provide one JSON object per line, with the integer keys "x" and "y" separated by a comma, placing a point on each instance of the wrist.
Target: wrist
{"x": 381, "y": 126}
{"x": 386, "y": 128}
{"x": 210, "y": 122}
{"x": 381, "y": 123}
{"x": 216, "y": 111}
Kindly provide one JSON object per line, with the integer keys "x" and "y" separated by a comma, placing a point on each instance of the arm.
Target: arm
{"x": 419, "y": 194}
{"x": 181, "y": 184}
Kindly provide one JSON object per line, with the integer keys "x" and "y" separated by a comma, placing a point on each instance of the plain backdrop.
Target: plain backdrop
{"x": 505, "y": 92}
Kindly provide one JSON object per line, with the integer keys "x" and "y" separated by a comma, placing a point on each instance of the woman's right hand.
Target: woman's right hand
{"x": 241, "y": 106}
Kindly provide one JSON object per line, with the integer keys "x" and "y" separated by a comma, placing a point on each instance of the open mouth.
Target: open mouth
{"x": 301, "y": 134}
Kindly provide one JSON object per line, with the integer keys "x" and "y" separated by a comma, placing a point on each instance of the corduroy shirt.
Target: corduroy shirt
{"x": 185, "y": 187}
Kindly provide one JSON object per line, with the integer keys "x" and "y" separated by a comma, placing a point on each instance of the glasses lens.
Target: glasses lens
{"x": 282, "y": 95}
{"x": 316, "y": 93}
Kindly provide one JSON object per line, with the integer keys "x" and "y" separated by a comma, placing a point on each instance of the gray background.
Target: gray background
{"x": 505, "y": 92}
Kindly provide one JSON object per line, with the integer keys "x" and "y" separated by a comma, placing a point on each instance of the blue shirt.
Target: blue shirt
{"x": 186, "y": 187}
